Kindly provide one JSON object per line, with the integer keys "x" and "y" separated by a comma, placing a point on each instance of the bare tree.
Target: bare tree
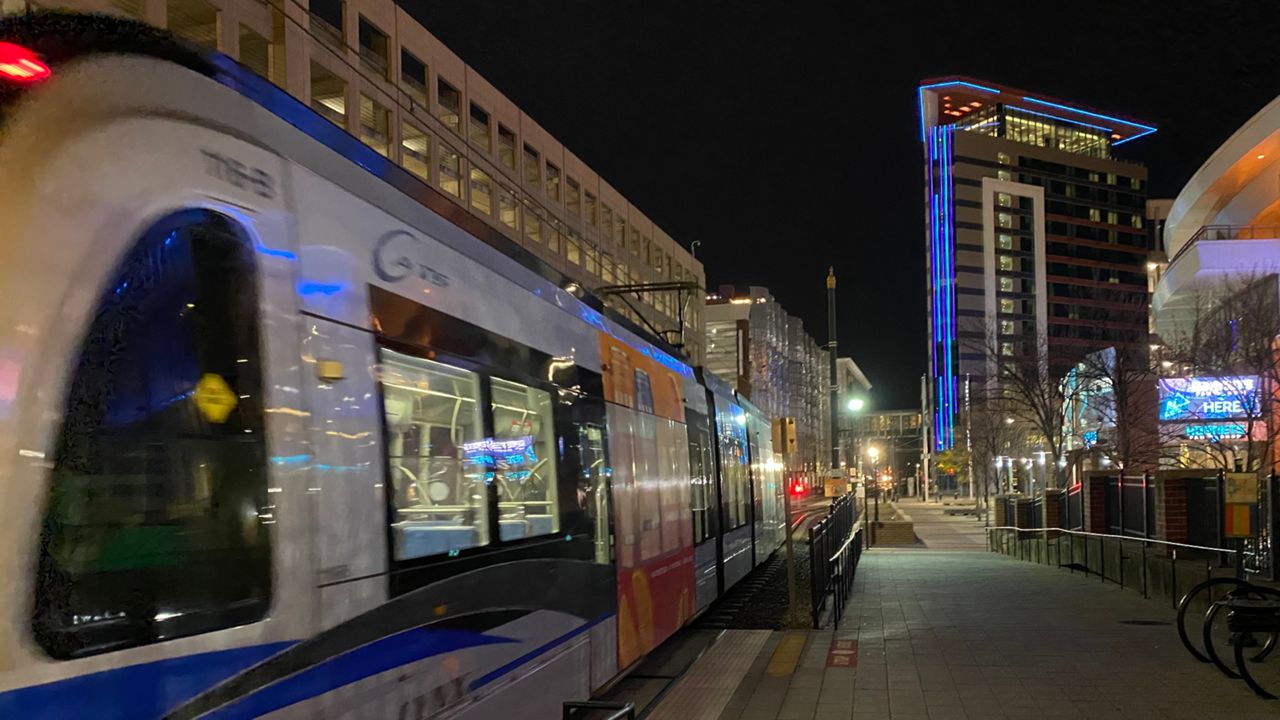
{"x": 1022, "y": 385}
{"x": 1117, "y": 391}
{"x": 1230, "y": 336}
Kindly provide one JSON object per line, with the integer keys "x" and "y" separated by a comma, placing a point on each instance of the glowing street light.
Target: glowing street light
{"x": 856, "y": 404}
{"x": 873, "y": 452}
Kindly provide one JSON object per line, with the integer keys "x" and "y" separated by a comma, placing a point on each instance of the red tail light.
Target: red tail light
{"x": 21, "y": 65}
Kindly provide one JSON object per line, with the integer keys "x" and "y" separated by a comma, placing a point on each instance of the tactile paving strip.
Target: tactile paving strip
{"x": 706, "y": 688}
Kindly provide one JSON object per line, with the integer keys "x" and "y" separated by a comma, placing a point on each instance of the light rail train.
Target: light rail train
{"x": 283, "y": 433}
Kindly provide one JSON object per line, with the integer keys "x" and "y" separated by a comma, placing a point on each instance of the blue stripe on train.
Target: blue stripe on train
{"x": 376, "y": 657}
{"x": 138, "y": 691}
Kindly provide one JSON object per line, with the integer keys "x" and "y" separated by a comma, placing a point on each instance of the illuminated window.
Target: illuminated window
{"x": 480, "y": 133}
{"x": 572, "y": 196}
{"x": 1006, "y": 263}
{"x": 1006, "y": 305}
{"x": 553, "y": 182}
{"x": 328, "y": 94}
{"x": 1004, "y": 199}
{"x": 1006, "y": 349}
{"x": 590, "y": 204}
{"x": 1006, "y": 327}
{"x": 606, "y": 269}
{"x": 508, "y": 210}
{"x": 1095, "y": 214}
{"x": 1005, "y": 241}
{"x": 415, "y": 151}
{"x": 413, "y": 78}
{"x": 375, "y": 126}
{"x": 255, "y": 52}
{"x": 524, "y": 469}
{"x": 1136, "y": 221}
{"x": 506, "y": 146}
{"x": 450, "y": 170}
{"x": 374, "y": 50}
{"x": 1004, "y": 220}
{"x": 554, "y": 235}
{"x": 573, "y": 249}
{"x": 435, "y": 455}
{"x": 532, "y": 166}
{"x": 448, "y": 104}
{"x": 1004, "y": 175}
{"x": 1113, "y": 217}
{"x": 1006, "y": 284}
{"x": 591, "y": 259}
{"x": 1111, "y": 178}
{"x": 195, "y": 20}
{"x": 633, "y": 241}
{"x": 481, "y": 191}
{"x": 533, "y": 222}
{"x": 1002, "y": 158}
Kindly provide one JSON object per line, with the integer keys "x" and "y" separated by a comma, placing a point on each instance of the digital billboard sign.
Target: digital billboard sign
{"x": 1208, "y": 398}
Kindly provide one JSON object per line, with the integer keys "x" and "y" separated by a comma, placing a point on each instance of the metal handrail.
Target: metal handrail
{"x": 1231, "y": 232}
{"x": 1117, "y": 537}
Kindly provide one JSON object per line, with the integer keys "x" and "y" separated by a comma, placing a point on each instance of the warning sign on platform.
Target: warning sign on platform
{"x": 843, "y": 653}
{"x": 214, "y": 398}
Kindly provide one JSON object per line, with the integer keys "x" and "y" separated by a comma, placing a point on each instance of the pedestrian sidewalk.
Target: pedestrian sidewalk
{"x": 946, "y": 635}
{"x": 936, "y": 530}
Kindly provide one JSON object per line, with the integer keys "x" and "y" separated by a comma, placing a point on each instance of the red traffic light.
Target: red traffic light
{"x": 21, "y": 65}
{"x": 797, "y": 489}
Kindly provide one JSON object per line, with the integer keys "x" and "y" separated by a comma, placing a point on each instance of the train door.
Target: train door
{"x": 704, "y": 496}
{"x": 735, "y": 490}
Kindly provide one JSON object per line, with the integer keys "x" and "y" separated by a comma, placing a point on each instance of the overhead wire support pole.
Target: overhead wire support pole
{"x": 831, "y": 358}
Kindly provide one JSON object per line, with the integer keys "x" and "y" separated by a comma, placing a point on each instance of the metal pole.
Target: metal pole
{"x": 791, "y": 555}
{"x": 831, "y": 352}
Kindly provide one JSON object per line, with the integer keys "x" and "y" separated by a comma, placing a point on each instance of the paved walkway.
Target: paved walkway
{"x": 946, "y": 634}
{"x": 937, "y": 530}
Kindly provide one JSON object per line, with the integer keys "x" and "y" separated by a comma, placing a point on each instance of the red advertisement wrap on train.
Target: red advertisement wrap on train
{"x": 648, "y": 443}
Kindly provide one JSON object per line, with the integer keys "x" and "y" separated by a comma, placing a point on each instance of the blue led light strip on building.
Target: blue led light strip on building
{"x": 1146, "y": 129}
{"x": 941, "y": 254}
{"x": 950, "y": 83}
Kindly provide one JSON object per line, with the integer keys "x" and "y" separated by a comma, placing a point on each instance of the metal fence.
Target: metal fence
{"x": 1155, "y": 568}
{"x": 1073, "y": 518}
{"x": 1130, "y": 506}
{"x": 835, "y": 545}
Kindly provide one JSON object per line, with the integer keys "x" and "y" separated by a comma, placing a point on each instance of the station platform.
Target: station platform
{"x": 962, "y": 633}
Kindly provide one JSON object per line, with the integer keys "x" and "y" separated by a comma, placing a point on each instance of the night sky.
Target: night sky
{"x": 784, "y": 135}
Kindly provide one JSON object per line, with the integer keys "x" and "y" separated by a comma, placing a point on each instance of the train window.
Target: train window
{"x": 434, "y": 456}
{"x": 700, "y": 470}
{"x": 524, "y": 460}
{"x": 733, "y": 465}
{"x": 156, "y": 525}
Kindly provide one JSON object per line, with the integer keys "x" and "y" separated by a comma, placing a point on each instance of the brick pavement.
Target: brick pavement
{"x": 945, "y": 635}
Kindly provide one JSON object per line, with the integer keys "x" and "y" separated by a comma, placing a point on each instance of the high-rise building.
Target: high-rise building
{"x": 370, "y": 68}
{"x": 754, "y": 345}
{"x": 1036, "y": 237}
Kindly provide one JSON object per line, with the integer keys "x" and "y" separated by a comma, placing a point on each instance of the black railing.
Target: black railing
{"x": 835, "y": 545}
{"x": 1152, "y": 567}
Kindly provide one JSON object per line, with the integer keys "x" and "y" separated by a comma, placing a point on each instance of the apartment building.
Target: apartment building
{"x": 1036, "y": 235}
{"x": 370, "y": 68}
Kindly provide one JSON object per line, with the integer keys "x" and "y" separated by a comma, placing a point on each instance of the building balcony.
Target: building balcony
{"x": 1214, "y": 254}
